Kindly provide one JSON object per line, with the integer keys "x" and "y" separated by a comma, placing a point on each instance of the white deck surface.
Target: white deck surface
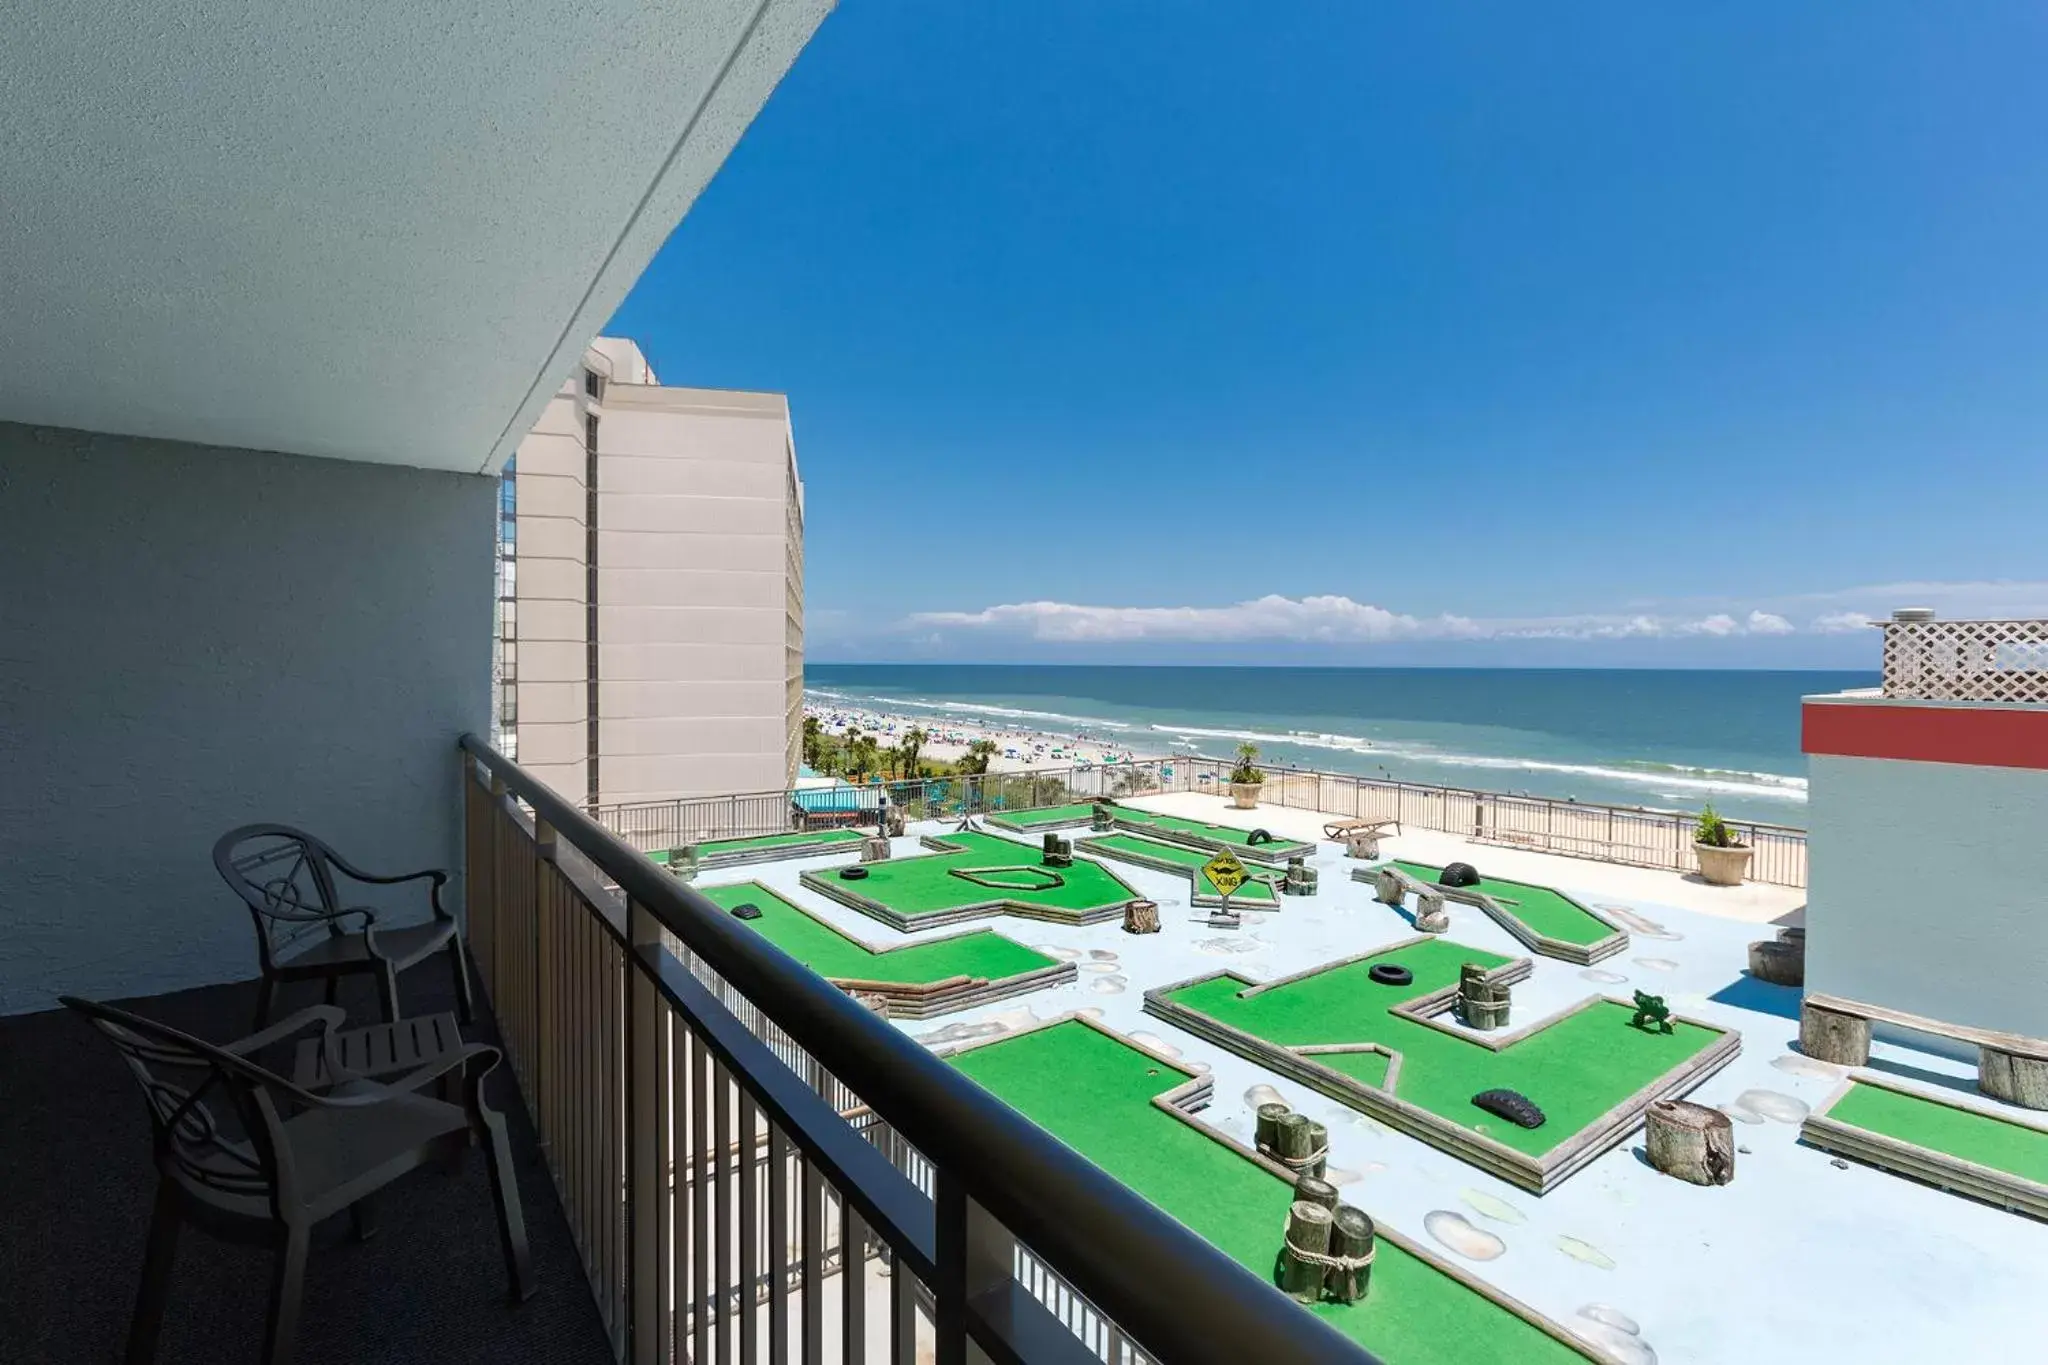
{"x": 1797, "y": 1260}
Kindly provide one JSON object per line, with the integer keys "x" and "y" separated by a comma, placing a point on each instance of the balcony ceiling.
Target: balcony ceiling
{"x": 372, "y": 231}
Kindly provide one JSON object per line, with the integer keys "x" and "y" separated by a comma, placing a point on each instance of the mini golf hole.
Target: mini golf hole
{"x": 1390, "y": 974}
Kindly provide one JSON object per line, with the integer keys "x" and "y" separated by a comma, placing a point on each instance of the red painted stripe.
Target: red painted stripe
{"x": 1981, "y": 737}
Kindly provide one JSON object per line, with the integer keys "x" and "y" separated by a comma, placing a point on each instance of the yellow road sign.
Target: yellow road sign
{"x": 1225, "y": 873}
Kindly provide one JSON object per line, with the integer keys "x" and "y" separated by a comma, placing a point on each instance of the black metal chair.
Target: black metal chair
{"x": 229, "y": 1161}
{"x": 287, "y": 879}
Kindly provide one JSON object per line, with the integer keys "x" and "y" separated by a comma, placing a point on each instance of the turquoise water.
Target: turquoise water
{"x": 1647, "y": 737}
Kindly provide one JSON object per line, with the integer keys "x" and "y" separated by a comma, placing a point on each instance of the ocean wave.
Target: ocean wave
{"x": 1676, "y": 781}
{"x": 972, "y": 708}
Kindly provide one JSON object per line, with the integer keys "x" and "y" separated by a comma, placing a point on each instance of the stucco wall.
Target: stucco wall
{"x": 194, "y": 638}
{"x": 1926, "y": 892}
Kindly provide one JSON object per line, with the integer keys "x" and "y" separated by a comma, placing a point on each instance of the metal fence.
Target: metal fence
{"x": 1639, "y": 836}
{"x": 742, "y": 1149}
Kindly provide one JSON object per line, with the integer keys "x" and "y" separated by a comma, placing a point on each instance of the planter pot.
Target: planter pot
{"x": 1245, "y": 795}
{"x": 1722, "y": 866}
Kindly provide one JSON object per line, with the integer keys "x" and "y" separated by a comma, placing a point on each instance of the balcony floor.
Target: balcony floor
{"x": 430, "y": 1286}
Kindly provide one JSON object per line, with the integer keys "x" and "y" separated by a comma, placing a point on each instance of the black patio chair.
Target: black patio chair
{"x": 287, "y": 879}
{"x": 229, "y": 1161}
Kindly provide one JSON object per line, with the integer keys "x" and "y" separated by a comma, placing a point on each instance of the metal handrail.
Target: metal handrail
{"x": 1183, "y": 1299}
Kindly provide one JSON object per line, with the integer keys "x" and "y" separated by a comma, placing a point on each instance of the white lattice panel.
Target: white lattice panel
{"x": 1967, "y": 660}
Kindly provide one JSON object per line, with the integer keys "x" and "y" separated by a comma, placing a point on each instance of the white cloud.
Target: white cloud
{"x": 1337, "y": 619}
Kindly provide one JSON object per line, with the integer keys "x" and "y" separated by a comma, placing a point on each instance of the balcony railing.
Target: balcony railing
{"x": 730, "y": 1134}
{"x": 1994, "y": 661}
{"x": 1639, "y": 836}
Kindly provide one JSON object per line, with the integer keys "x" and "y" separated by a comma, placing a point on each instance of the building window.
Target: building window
{"x": 593, "y": 385}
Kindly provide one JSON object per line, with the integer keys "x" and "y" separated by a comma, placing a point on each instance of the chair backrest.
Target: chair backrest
{"x": 286, "y": 878}
{"x": 215, "y": 1127}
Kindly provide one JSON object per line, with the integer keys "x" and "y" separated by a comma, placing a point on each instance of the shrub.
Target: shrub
{"x": 1715, "y": 832}
{"x": 1247, "y": 764}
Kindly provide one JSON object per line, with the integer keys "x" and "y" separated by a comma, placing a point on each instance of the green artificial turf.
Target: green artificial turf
{"x": 1576, "y": 1069}
{"x": 1093, "y": 1092}
{"x": 1550, "y": 913}
{"x": 815, "y": 836}
{"x": 1257, "y": 891}
{"x": 923, "y": 885}
{"x": 1951, "y": 1129}
{"x": 1130, "y": 815}
{"x": 982, "y": 953}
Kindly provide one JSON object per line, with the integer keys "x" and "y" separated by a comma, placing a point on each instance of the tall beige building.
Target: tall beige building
{"x": 651, "y": 599}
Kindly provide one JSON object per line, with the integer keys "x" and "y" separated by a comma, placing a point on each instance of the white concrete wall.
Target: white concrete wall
{"x": 1929, "y": 889}
{"x": 194, "y": 638}
{"x": 696, "y": 579}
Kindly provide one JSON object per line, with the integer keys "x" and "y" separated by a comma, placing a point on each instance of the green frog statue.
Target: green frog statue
{"x": 1651, "y": 1011}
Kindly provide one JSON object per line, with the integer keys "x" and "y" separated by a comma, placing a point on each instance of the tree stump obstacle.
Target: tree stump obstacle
{"x": 1141, "y": 917}
{"x": 1781, "y": 960}
{"x": 1326, "y": 1252}
{"x": 874, "y": 849}
{"x": 1828, "y": 1035}
{"x": 1690, "y": 1141}
{"x": 1482, "y": 1004}
{"x": 1301, "y": 879}
{"x": 2015, "y": 1077}
{"x": 1362, "y": 844}
{"x": 1100, "y": 820}
{"x": 1430, "y": 915}
{"x": 1294, "y": 1140}
{"x": 1059, "y": 851}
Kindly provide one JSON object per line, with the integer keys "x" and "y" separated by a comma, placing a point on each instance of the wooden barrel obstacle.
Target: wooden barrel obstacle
{"x": 1141, "y": 917}
{"x": 1101, "y": 820}
{"x": 1059, "y": 851}
{"x": 1781, "y": 960}
{"x": 874, "y": 849}
{"x": 1690, "y": 1141}
{"x": 682, "y": 862}
{"x": 1294, "y": 1140}
{"x": 1300, "y": 880}
{"x": 1482, "y": 1003}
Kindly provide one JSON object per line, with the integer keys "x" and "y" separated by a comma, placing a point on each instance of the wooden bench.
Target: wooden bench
{"x": 2010, "y": 1066}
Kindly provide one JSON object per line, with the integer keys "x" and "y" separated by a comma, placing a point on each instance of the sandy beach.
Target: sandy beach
{"x": 1018, "y": 748}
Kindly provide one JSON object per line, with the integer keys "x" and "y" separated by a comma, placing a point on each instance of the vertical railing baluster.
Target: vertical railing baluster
{"x": 682, "y": 1044}
{"x": 723, "y": 1226}
{"x": 748, "y": 1228}
{"x": 813, "y": 1263}
{"x": 646, "y": 1025}
{"x": 700, "y": 1204}
{"x": 853, "y": 1267}
{"x": 902, "y": 1313}
{"x": 778, "y": 1244}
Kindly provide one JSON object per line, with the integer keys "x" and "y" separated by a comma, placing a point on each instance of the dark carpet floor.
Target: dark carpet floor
{"x": 76, "y": 1184}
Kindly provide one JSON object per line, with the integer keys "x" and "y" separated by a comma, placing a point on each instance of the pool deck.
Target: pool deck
{"x": 1798, "y": 1260}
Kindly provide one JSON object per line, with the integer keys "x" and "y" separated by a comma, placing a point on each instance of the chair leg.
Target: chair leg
{"x": 287, "y": 1287}
{"x": 390, "y": 994}
{"x": 505, "y": 1190}
{"x": 266, "y": 994}
{"x": 465, "y": 1003}
{"x": 334, "y": 990}
{"x": 156, "y": 1277}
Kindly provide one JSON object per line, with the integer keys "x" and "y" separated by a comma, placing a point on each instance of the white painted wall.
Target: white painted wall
{"x": 1929, "y": 889}
{"x": 194, "y": 638}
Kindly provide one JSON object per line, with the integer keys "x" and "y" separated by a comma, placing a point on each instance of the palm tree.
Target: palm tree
{"x": 814, "y": 733}
{"x": 861, "y": 753}
{"x": 913, "y": 744}
{"x": 977, "y": 756}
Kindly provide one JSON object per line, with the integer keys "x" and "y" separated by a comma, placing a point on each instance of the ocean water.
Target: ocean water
{"x": 1646, "y": 737}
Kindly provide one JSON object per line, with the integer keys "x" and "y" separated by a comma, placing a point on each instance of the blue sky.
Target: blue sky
{"x": 1350, "y": 333}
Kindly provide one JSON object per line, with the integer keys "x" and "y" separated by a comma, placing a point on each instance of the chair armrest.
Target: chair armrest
{"x": 326, "y": 1016}
{"x": 361, "y": 1094}
{"x": 437, "y": 877}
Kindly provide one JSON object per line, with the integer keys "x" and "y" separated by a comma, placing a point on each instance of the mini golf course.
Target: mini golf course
{"x": 762, "y": 848}
{"x": 1971, "y": 1151}
{"x": 1256, "y": 894}
{"x": 1095, "y": 1092}
{"x": 1382, "y": 1049}
{"x": 973, "y": 876}
{"x": 915, "y": 980}
{"x": 1172, "y": 828}
{"x": 1545, "y": 921}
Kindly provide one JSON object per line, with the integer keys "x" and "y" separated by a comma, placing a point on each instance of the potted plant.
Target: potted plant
{"x": 1245, "y": 778}
{"x": 1724, "y": 858}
